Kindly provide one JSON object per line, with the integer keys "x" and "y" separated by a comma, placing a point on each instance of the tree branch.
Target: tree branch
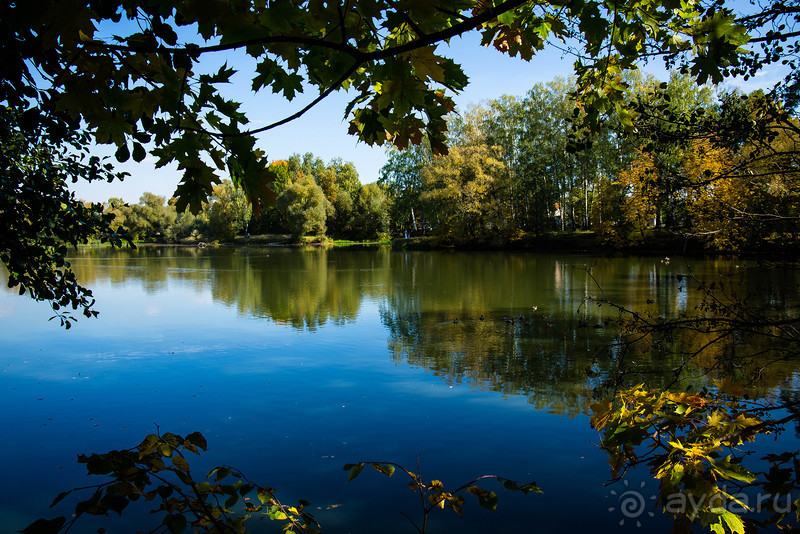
{"x": 363, "y": 57}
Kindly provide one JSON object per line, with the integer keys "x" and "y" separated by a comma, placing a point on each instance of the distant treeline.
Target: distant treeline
{"x": 717, "y": 165}
{"x": 313, "y": 198}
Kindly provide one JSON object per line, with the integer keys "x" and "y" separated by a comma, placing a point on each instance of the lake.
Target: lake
{"x": 294, "y": 362}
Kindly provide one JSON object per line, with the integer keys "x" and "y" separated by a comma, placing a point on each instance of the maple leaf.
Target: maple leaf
{"x": 408, "y": 130}
{"x": 426, "y": 64}
{"x": 513, "y": 41}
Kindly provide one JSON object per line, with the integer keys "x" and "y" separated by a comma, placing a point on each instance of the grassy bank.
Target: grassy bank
{"x": 655, "y": 242}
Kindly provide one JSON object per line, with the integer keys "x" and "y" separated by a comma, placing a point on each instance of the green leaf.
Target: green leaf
{"x": 733, "y": 471}
{"x": 531, "y": 487}
{"x": 223, "y": 75}
{"x": 733, "y": 522}
{"x": 507, "y": 17}
{"x": 174, "y": 440}
{"x": 386, "y": 469}
{"x": 355, "y": 470}
{"x": 180, "y": 463}
{"x": 148, "y": 445}
{"x": 489, "y": 500}
{"x": 264, "y": 496}
{"x": 197, "y": 439}
{"x": 278, "y": 515}
{"x": 454, "y": 76}
{"x": 112, "y": 130}
{"x": 221, "y": 472}
{"x": 232, "y": 500}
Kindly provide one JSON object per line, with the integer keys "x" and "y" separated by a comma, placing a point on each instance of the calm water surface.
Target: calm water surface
{"x": 295, "y": 362}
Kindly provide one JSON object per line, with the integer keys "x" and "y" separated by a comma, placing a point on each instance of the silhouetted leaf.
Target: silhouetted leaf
{"x": 176, "y": 523}
{"x": 45, "y": 526}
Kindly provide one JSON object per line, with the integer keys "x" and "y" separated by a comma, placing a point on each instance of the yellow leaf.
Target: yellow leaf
{"x": 715, "y": 418}
{"x": 745, "y": 421}
{"x": 602, "y": 411}
{"x": 691, "y": 399}
{"x": 676, "y": 445}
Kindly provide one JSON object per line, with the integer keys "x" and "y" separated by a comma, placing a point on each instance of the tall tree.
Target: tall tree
{"x": 229, "y": 211}
{"x": 465, "y": 189}
{"x": 371, "y": 212}
{"x": 665, "y": 122}
{"x": 304, "y": 207}
{"x": 402, "y": 176}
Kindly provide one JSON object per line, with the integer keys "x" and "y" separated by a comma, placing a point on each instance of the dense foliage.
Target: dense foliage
{"x": 39, "y": 216}
{"x": 693, "y": 443}
{"x": 717, "y": 166}
{"x": 157, "y": 470}
{"x": 691, "y": 170}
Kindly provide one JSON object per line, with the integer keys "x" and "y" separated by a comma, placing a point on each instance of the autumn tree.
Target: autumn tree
{"x": 719, "y": 169}
{"x": 626, "y": 207}
{"x": 544, "y": 177}
{"x": 551, "y": 185}
{"x": 712, "y": 204}
{"x": 665, "y": 121}
{"x": 733, "y": 182}
{"x": 744, "y": 191}
{"x": 464, "y": 189}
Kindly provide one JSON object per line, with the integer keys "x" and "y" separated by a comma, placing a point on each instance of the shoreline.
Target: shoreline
{"x": 658, "y": 243}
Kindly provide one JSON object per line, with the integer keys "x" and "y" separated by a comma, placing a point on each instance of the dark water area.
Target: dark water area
{"x": 294, "y": 362}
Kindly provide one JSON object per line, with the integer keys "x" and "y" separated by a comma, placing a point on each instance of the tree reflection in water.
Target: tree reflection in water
{"x": 539, "y": 336}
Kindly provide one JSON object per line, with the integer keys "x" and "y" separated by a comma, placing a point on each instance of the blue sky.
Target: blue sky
{"x": 323, "y": 130}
